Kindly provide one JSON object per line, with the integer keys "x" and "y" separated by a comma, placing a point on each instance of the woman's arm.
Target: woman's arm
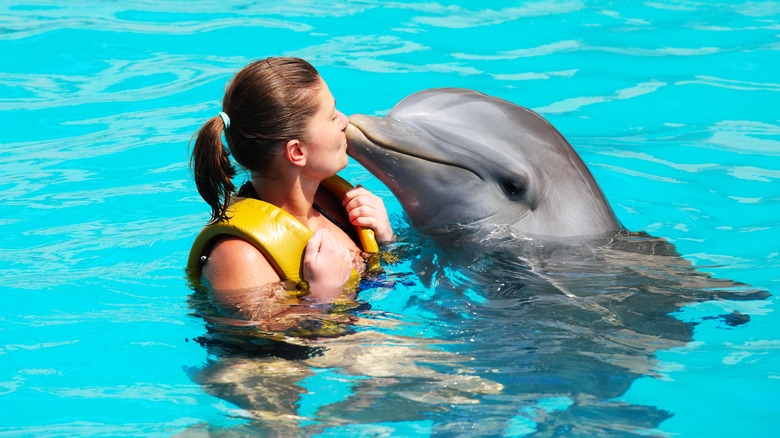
{"x": 243, "y": 284}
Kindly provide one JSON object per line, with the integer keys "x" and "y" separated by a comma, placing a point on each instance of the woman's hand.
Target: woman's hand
{"x": 327, "y": 265}
{"x": 367, "y": 210}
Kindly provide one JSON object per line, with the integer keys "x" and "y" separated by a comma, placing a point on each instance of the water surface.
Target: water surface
{"x": 673, "y": 105}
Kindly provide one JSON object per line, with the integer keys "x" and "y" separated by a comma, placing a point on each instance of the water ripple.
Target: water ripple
{"x": 13, "y": 30}
{"x": 747, "y": 137}
{"x": 362, "y": 52}
{"x": 157, "y": 18}
{"x": 544, "y": 49}
{"x": 575, "y": 103}
{"x": 573, "y": 46}
{"x": 118, "y": 81}
{"x": 754, "y": 173}
{"x": 460, "y": 18}
{"x": 732, "y": 84}
{"x": 34, "y": 165}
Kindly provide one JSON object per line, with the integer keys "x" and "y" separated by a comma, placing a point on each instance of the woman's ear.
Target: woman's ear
{"x": 295, "y": 153}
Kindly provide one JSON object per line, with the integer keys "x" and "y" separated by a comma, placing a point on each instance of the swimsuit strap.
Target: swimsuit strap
{"x": 333, "y": 219}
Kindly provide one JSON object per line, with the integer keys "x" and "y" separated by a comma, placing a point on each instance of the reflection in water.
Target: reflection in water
{"x": 387, "y": 377}
{"x": 527, "y": 338}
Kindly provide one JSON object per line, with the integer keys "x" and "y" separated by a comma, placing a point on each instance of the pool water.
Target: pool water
{"x": 673, "y": 106}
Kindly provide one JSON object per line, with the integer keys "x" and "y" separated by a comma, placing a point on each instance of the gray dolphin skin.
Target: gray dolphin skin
{"x": 459, "y": 157}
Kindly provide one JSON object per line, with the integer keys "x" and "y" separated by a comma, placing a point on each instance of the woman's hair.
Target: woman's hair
{"x": 269, "y": 103}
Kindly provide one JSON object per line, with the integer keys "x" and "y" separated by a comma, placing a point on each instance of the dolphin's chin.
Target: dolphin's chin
{"x": 357, "y": 140}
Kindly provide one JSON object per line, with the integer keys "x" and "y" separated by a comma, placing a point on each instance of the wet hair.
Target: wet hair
{"x": 269, "y": 102}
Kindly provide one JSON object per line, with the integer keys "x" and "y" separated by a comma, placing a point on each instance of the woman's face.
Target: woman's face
{"x": 326, "y": 142}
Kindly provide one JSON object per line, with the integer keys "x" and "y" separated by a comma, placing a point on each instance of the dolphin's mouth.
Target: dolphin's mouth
{"x": 401, "y": 130}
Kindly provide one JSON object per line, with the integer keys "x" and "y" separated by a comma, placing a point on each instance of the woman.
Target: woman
{"x": 282, "y": 126}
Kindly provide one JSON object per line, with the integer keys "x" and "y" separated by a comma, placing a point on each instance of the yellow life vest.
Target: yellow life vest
{"x": 274, "y": 232}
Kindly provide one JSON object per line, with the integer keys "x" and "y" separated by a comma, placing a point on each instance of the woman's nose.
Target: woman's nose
{"x": 343, "y": 121}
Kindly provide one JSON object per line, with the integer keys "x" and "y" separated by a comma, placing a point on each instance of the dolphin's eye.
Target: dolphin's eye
{"x": 513, "y": 188}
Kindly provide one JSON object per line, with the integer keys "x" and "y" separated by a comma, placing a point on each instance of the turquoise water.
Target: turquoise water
{"x": 673, "y": 105}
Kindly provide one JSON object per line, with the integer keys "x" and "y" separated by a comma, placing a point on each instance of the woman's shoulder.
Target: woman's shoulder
{"x": 235, "y": 263}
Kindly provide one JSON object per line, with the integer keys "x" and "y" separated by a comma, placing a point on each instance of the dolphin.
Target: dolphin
{"x": 458, "y": 157}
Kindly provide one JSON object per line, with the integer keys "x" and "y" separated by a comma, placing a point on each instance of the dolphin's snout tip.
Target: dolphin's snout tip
{"x": 355, "y": 137}
{"x": 356, "y": 126}
{"x": 351, "y": 130}
{"x": 359, "y": 119}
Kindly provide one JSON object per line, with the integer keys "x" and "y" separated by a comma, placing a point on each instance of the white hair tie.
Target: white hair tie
{"x": 225, "y": 119}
